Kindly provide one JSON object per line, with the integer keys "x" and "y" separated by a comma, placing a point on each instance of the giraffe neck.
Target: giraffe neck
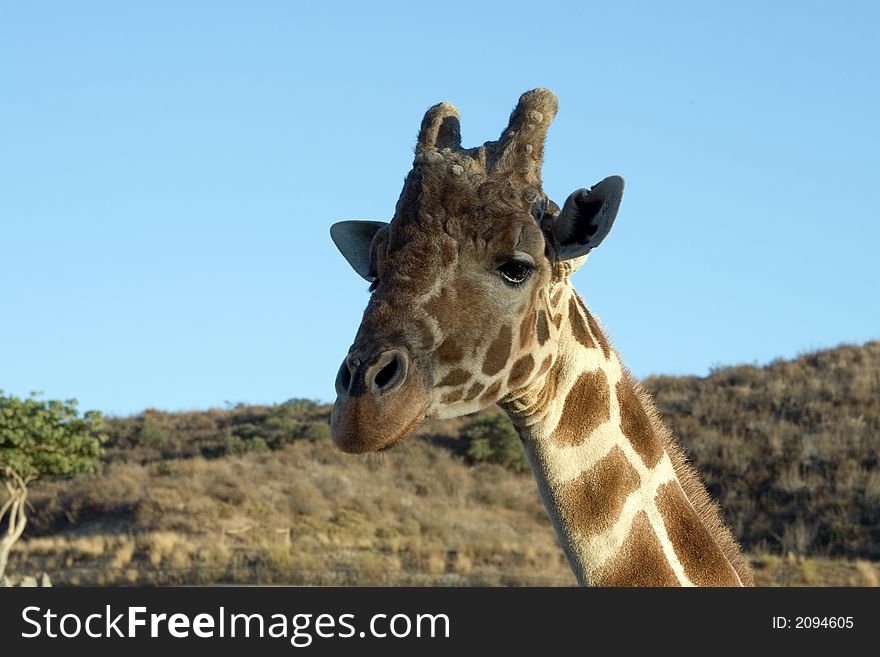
{"x": 601, "y": 459}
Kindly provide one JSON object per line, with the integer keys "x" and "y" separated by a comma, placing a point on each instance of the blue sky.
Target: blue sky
{"x": 169, "y": 172}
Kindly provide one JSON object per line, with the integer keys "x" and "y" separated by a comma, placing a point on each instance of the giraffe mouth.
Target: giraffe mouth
{"x": 365, "y": 439}
{"x": 402, "y": 435}
{"x": 370, "y": 423}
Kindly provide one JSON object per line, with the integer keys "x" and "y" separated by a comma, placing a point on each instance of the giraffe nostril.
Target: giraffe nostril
{"x": 386, "y": 374}
{"x": 343, "y": 378}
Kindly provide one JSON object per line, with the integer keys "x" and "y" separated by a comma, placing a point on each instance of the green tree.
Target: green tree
{"x": 494, "y": 439}
{"x": 40, "y": 438}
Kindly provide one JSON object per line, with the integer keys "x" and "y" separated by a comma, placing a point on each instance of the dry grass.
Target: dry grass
{"x": 791, "y": 451}
{"x": 772, "y": 570}
{"x": 165, "y": 558}
{"x": 304, "y": 514}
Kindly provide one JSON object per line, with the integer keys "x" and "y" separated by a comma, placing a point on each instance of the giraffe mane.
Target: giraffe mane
{"x": 708, "y": 511}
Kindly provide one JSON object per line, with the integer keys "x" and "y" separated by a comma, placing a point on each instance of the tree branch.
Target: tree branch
{"x": 5, "y": 507}
{"x": 13, "y": 518}
{"x": 12, "y": 474}
{"x": 22, "y": 520}
{"x": 17, "y": 518}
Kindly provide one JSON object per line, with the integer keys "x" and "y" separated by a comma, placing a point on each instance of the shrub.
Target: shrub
{"x": 152, "y": 432}
{"x": 299, "y": 406}
{"x": 283, "y": 424}
{"x": 493, "y": 439}
{"x": 236, "y": 446}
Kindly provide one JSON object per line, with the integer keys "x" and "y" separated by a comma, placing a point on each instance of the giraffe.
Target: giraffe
{"x": 472, "y": 304}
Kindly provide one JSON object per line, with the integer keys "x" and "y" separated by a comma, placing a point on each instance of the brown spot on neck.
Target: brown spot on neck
{"x": 520, "y": 371}
{"x": 636, "y": 425}
{"x": 550, "y": 384}
{"x": 592, "y": 503}
{"x": 473, "y": 391}
{"x": 499, "y": 352}
{"x": 578, "y": 325}
{"x": 545, "y": 365}
{"x": 706, "y": 508}
{"x": 452, "y": 396}
{"x": 639, "y": 562}
{"x": 587, "y": 406}
{"x": 701, "y": 557}
{"x": 595, "y": 329}
{"x": 491, "y": 392}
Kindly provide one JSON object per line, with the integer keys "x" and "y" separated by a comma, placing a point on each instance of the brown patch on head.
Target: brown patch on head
{"x": 474, "y": 390}
{"x": 499, "y": 352}
{"x": 456, "y": 377}
{"x": 557, "y": 295}
{"x": 491, "y": 392}
{"x": 587, "y": 406}
{"x": 578, "y": 326}
{"x": 557, "y": 320}
{"x": 640, "y": 560}
{"x": 703, "y": 561}
{"x": 441, "y": 307}
{"x": 591, "y": 504}
{"x": 448, "y": 251}
{"x": 543, "y": 328}
{"x": 521, "y": 369}
{"x": 449, "y": 352}
{"x": 636, "y": 425}
{"x": 595, "y": 329}
{"x": 426, "y": 335}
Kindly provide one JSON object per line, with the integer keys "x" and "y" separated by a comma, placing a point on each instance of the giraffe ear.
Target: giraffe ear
{"x": 354, "y": 239}
{"x": 586, "y": 218}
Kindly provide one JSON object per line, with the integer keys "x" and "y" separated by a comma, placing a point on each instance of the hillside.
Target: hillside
{"x": 258, "y": 494}
{"x": 790, "y": 450}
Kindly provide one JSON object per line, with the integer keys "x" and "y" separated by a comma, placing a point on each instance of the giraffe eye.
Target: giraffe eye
{"x": 515, "y": 272}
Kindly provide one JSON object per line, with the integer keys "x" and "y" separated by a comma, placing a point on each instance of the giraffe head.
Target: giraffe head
{"x": 461, "y": 278}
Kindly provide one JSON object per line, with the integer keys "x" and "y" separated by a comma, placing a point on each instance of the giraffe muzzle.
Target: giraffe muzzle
{"x": 378, "y": 402}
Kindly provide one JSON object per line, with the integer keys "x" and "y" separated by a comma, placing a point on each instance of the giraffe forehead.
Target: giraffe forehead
{"x": 467, "y": 238}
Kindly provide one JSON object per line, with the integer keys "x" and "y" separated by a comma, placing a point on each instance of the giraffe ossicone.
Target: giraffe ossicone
{"x": 472, "y": 305}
